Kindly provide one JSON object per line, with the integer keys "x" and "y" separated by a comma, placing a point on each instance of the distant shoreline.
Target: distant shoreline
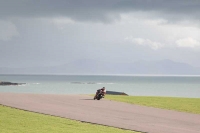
{"x": 131, "y": 75}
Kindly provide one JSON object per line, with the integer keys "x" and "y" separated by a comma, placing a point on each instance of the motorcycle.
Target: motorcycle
{"x": 99, "y": 96}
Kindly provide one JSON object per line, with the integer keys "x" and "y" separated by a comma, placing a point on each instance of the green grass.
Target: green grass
{"x": 19, "y": 121}
{"x": 191, "y": 105}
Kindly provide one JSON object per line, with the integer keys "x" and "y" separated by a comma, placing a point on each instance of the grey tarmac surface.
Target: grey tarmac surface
{"x": 105, "y": 112}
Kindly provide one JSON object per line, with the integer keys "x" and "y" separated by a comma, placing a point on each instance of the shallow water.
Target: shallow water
{"x": 173, "y": 86}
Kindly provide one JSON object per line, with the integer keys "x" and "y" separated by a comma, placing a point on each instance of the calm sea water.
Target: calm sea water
{"x": 173, "y": 86}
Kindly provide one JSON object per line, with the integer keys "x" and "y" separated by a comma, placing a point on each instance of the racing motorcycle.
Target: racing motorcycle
{"x": 99, "y": 96}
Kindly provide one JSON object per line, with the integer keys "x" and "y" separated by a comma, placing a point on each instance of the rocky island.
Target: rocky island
{"x": 9, "y": 83}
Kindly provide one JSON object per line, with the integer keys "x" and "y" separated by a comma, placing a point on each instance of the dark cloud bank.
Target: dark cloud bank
{"x": 100, "y": 10}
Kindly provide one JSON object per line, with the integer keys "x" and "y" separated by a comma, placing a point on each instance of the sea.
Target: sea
{"x": 134, "y": 85}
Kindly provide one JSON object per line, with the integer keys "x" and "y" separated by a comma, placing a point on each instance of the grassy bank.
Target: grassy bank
{"x": 19, "y": 121}
{"x": 191, "y": 105}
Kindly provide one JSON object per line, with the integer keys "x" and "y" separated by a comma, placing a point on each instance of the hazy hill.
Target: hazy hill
{"x": 165, "y": 67}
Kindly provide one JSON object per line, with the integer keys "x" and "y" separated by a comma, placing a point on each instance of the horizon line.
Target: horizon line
{"x": 136, "y": 75}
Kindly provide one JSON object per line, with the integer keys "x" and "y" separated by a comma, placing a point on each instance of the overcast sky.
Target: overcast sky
{"x": 55, "y": 32}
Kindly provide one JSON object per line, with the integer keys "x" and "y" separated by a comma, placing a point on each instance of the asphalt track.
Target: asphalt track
{"x": 105, "y": 112}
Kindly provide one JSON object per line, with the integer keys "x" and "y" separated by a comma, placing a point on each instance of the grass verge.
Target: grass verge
{"x": 190, "y": 105}
{"x": 19, "y": 121}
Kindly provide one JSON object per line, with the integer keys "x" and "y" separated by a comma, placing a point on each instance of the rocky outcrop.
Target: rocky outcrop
{"x": 116, "y": 93}
{"x": 10, "y": 83}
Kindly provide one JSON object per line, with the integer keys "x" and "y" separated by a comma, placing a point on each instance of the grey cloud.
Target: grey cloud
{"x": 95, "y": 10}
{"x": 34, "y": 40}
{"x": 77, "y": 10}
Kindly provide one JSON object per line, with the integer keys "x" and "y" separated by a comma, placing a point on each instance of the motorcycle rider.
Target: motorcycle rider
{"x": 102, "y": 90}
